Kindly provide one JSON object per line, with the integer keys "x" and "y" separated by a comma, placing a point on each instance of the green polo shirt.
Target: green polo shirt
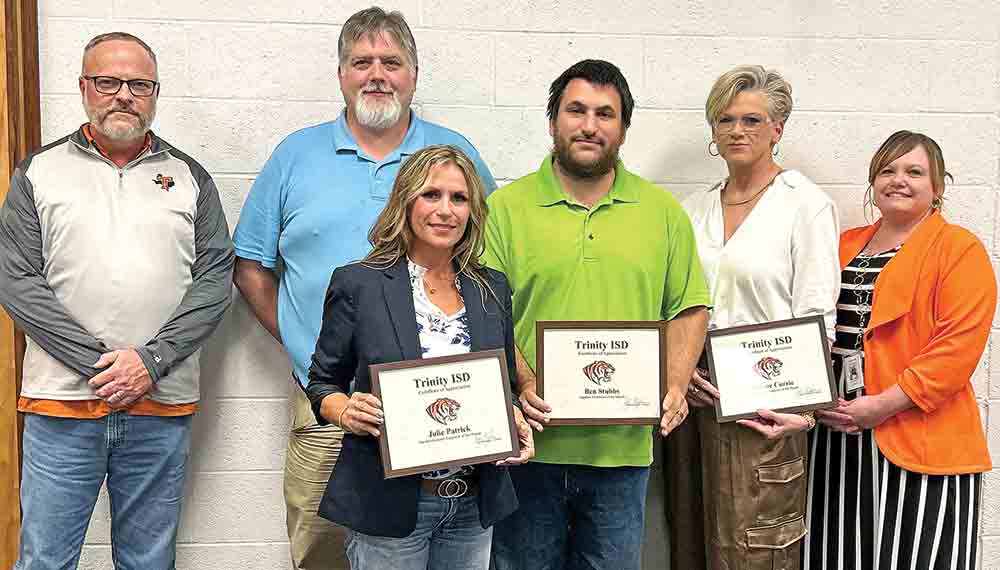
{"x": 630, "y": 257}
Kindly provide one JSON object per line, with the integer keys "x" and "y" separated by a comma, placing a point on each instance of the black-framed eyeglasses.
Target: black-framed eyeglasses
{"x": 107, "y": 85}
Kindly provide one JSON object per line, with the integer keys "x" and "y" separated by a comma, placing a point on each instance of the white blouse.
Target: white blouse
{"x": 781, "y": 263}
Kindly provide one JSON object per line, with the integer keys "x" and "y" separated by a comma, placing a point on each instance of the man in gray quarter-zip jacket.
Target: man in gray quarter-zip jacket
{"x": 115, "y": 260}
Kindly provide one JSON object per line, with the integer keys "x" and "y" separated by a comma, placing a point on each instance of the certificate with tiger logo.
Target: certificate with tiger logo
{"x": 601, "y": 372}
{"x": 782, "y": 366}
{"x": 444, "y": 412}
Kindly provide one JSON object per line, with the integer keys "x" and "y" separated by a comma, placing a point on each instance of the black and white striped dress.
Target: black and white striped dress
{"x": 863, "y": 512}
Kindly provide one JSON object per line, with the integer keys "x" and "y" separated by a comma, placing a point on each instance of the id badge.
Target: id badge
{"x": 854, "y": 372}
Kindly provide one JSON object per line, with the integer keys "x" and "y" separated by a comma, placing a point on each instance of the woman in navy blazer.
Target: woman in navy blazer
{"x": 421, "y": 292}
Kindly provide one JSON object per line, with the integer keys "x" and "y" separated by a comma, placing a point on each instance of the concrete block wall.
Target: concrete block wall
{"x": 238, "y": 76}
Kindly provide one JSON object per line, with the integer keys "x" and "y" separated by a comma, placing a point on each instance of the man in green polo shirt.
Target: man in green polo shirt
{"x": 585, "y": 239}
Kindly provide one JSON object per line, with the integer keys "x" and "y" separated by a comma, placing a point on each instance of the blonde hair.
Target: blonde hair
{"x": 391, "y": 235}
{"x": 898, "y": 144}
{"x": 777, "y": 92}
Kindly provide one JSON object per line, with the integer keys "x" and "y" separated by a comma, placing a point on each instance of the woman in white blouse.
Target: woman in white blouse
{"x": 767, "y": 238}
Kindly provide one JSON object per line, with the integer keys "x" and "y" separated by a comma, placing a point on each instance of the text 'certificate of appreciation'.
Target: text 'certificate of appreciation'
{"x": 444, "y": 412}
{"x": 783, "y": 366}
{"x": 601, "y": 373}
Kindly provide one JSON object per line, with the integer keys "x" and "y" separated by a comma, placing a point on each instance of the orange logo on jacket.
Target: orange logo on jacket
{"x": 165, "y": 182}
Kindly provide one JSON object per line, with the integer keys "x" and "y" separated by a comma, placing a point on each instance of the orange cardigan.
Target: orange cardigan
{"x": 932, "y": 311}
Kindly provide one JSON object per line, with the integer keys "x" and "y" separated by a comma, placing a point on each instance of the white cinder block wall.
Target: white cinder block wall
{"x": 238, "y": 76}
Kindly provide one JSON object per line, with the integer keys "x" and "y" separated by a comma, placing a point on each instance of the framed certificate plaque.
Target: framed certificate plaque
{"x": 783, "y": 366}
{"x": 444, "y": 412}
{"x": 601, "y": 372}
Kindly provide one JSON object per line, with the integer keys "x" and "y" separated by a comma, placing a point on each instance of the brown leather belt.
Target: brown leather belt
{"x": 451, "y": 488}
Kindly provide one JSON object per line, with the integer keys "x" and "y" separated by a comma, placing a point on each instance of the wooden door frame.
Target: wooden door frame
{"x": 20, "y": 134}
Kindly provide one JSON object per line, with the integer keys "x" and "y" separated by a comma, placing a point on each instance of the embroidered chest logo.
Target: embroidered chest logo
{"x": 443, "y": 410}
{"x": 165, "y": 182}
{"x": 598, "y": 372}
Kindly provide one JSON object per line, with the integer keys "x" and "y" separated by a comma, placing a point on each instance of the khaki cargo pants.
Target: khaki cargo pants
{"x": 752, "y": 491}
{"x": 316, "y": 543}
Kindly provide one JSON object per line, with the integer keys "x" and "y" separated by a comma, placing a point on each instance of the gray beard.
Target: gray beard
{"x": 120, "y": 132}
{"x": 379, "y": 117}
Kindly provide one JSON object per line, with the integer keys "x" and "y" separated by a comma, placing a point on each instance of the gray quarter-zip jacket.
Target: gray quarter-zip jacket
{"x": 95, "y": 258}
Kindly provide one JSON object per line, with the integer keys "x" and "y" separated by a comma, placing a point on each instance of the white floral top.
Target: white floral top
{"x": 440, "y": 335}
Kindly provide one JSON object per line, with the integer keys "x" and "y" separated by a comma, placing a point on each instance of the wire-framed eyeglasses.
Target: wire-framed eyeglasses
{"x": 749, "y": 123}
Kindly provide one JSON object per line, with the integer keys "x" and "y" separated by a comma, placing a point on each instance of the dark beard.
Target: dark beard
{"x": 583, "y": 170}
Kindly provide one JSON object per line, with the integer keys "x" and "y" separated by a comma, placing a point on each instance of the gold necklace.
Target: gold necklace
{"x": 754, "y": 197}
{"x": 430, "y": 288}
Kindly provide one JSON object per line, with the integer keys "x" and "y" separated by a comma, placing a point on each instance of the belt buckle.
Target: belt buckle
{"x": 452, "y": 488}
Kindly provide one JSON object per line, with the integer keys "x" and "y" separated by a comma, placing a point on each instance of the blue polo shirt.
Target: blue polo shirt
{"x": 309, "y": 212}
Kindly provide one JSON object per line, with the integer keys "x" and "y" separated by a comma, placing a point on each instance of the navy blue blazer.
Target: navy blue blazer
{"x": 369, "y": 318}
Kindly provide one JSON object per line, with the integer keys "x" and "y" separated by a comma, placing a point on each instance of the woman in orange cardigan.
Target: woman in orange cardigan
{"x": 895, "y": 469}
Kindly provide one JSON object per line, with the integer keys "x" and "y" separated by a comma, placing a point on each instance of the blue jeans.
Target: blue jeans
{"x": 448, "y": 536}
{"x": 64, "y": 464}
{"x": 573, "y": 517}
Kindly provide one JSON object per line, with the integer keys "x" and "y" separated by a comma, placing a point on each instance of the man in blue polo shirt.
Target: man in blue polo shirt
{"x": 309, "y": 212}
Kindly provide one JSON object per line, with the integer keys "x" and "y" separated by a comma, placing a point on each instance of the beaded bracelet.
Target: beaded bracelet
{"x": 810, "y": 419}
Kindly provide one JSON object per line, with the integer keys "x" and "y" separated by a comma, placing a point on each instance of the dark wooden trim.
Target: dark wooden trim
{"x": 20, "y": 133}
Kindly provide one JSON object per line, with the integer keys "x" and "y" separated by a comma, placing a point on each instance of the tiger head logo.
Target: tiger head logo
{"x": 443, "y": 410}
{"x": 768, "y": 367}
{"x": 598, "y": 372}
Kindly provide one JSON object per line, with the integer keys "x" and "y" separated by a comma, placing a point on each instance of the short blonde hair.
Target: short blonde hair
{"x": 391, "y": 235}
{"x": 777, "y": 92}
